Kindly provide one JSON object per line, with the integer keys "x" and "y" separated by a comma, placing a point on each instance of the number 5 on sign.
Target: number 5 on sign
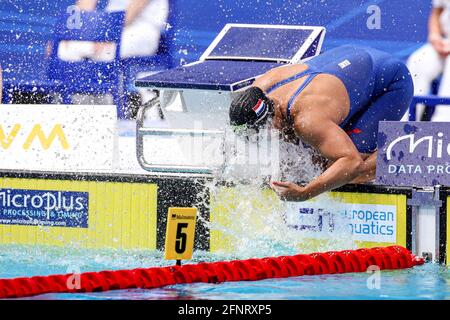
{"x": 180, "y": 233}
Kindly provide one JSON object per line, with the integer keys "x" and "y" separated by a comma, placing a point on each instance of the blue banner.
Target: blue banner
{"x": 44, "y": 208}
{"x": 413, "y": 153}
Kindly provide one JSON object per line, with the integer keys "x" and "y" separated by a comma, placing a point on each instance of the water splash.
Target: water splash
{"x": 248, "y": 219}
{"x": 298, "y": 162}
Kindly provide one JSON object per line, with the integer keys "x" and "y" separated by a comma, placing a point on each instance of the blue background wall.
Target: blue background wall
{"x": 26, "y": 26}
{"x": 403, "y": 23}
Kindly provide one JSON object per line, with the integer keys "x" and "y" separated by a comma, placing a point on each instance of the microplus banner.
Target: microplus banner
{"x": 44, "y": 208}
{"x": 413, "y": 153}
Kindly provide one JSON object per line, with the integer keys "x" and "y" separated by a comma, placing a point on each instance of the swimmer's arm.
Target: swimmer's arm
{"x": 368, "y": 169}
{"x": 335, "y": 145}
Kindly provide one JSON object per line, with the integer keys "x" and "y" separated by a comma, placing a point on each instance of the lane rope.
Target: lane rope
{"x": 359, "y": 260}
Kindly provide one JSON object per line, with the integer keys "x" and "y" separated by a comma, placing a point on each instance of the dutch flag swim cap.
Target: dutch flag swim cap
{"x": 251, "y": 108}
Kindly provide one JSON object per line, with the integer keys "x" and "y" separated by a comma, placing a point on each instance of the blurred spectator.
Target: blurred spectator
{"x": 432, "y": 60}
{"x": 144, "y": 20}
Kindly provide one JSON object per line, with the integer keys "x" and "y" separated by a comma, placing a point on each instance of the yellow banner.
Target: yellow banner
{"x": 90, "y": 214}
{"x": 242, "y": 217}
{"x": 398, "y": 201}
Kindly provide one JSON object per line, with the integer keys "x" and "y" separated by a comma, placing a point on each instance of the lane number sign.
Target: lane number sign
{"x": 180, "y": 233}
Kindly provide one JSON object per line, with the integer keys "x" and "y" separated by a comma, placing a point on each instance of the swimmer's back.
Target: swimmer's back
{"x": 365, "y": 72}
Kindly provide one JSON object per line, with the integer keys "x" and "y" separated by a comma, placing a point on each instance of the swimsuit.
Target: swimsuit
{"x": 379, "y": 87}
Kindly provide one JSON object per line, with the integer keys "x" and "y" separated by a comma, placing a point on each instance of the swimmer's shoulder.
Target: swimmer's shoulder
{"x": 278, "y": 74}
{"x": 287, "y": 70}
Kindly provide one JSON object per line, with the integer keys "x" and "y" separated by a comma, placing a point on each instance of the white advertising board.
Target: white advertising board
{"x": 57, "y": 137}
{"x": 363, "y": 222}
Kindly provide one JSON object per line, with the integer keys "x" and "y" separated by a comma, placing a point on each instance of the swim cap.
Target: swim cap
{"x": 251, "y": 108}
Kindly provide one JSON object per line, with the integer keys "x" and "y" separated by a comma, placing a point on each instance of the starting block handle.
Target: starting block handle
{"x": 141, "y": 131}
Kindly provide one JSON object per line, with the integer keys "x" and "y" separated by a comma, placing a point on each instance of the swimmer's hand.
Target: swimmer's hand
{"x": 290, "y": 191}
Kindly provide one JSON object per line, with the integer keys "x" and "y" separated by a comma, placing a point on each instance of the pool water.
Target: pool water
{"x": 430, "y": 281}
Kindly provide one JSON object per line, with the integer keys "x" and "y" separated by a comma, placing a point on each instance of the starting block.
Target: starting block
{"x": 195, "y": 98}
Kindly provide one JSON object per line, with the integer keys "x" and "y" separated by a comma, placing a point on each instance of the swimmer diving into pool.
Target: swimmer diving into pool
{"x": 333, "y": 103}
